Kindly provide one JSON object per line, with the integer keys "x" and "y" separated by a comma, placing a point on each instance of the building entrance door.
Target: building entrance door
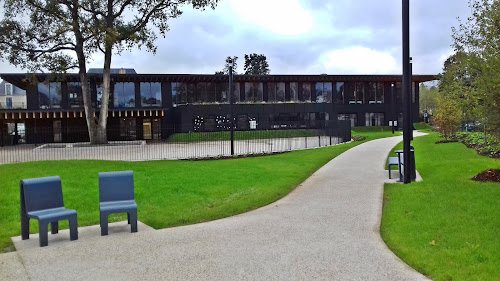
{"x": 146, "y": 129}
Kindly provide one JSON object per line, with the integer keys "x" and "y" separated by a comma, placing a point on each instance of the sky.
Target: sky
{"x": 300, "y": 37}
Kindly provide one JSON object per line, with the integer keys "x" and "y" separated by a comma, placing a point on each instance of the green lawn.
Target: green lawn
{"x": 169, "y": 193}
{"x": 446, "y": 227}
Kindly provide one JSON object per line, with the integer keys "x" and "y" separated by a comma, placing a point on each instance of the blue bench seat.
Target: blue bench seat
{"x": 116, "y": 195}
{"x": 42, "y": 199}
{"x": 118, "y": 206}
{"x": 55, "y": 213}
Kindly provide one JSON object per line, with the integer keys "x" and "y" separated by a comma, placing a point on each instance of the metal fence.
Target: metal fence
{"x": 49, "y": 144}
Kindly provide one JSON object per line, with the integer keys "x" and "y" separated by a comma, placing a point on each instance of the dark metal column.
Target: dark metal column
{"x": 231, "y": 117}
{"x": 406, "y": 91}
{"x": 393, "y": 114}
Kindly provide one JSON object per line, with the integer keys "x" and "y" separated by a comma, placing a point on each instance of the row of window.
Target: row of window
{"x": 50, "y": 94}
{"x": 371, "y": 119}
{"x": 253, "y": 92}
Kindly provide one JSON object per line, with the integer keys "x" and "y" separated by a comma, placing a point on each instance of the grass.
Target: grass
{"x": 169, "y": 193}
{"x": 447, "y": 226}
{"x": 421, "y": 126}
{"x": 372, "y": 129}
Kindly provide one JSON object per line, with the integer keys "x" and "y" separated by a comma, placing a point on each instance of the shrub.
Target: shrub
{"x": 421, "y": 126}
{"x": 490, "y": 147}
{"x": 358, "y": 138}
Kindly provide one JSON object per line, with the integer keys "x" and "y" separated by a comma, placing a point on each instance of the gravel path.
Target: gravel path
{"x": 326, "y": 229}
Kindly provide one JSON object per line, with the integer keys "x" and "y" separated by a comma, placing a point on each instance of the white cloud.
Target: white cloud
{"x": 283, "y": 17}
{"x": 358, "y": 60}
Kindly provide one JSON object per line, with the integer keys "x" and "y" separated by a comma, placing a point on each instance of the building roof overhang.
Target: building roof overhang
{"x": 23, "y": 80}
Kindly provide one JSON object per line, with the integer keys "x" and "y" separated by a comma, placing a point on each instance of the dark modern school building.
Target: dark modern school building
{"x": 153, "y": 106}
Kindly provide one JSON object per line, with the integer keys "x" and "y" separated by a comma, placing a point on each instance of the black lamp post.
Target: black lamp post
{"x": 406, "y": 92}
{"x": 231, "y": 117}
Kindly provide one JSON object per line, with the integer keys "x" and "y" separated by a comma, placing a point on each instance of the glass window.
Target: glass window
{"x": 8, "y": 101}
{"x": 201, "y": 92}
{"x": 319, "y": 92}
{"x": 75, "y": 97}
{"x": 236, "y": 92}
{"x": 271, "y": 92}
{"x": 254, "y": 92}
{"x": 339, "y": 89}
{"x": 306, "y": 92}
{"x": 205, "y": 92}
{"x": 353, "y": 117}
{"x": 99, "y": 90}
{"x": 294, "y": 91}
{"x": 323, "y": 92}
{"x": 179, "y": 93}
{"x": 280, "y": 92}
{"x": 374, "y": 119}
{"x": 380, "y": 92}
{"x": 372, "y": 92}
{"x": 222, "y": 90}
{"x": 357, "y": 95}
{"x": 150, "y": 94}
{"x": 124, "y": 94}
{"x": 210, "y": 88}
{"x": 128, "y": 128}
{"x": 191, "y": 93}
{"x": 49, "y": 95}
{"x": 8, "y": 89}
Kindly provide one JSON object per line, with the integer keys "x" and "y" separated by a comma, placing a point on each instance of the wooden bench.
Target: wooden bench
{"x": 393, "y": 161}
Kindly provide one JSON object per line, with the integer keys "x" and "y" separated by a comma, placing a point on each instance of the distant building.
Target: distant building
{"x": 12, "y": 97}
{"x": 153, "y": 106}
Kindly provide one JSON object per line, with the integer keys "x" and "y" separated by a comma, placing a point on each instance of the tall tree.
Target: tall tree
{"x": 428, "y": 95}
{"x": 53, "y": 36}
{"x": 225, "y": 70}
{"x": 38, "y": 35}
{"x": 256, "y": 64}
{"x": 477, "y": 38}
{"x": 117, "y": 30}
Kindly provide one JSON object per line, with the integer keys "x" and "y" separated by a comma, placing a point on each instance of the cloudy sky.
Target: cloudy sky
{"x": 301, "y": 37}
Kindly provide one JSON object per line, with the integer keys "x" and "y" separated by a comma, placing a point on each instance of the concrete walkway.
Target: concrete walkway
{"x": 326, "y": 229}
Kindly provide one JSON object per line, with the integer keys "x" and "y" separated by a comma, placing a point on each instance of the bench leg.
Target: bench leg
{"x": 133, "y": 220}
{"x": 43, "y": 233}
{"x": 389, "y": 171}
{"x": 104, "y": 224}
{"x": 128, "y": 218}
{"x": 25, "y": 227}
{"x": 73, "y": 228}
{"x": 54, "y": 227}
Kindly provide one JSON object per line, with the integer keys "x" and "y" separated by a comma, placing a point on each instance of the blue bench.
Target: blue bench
{"x": 42, "y": 199}
{"x": 116, "y": 195}
{"x": 393, "y": 161}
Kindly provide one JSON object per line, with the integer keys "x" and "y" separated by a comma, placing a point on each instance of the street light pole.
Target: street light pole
{"x": 231, "y": 117}
{"x": 406, "y": 92}
{"x": 393, "y": 111}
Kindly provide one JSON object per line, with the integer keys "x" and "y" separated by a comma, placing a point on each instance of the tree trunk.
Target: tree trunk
{"x": 106, "y": 77}
{"x": 84, "y": 82}
{"x": 106, "y": 81}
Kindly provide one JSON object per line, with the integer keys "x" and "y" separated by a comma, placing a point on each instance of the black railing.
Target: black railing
{"x": 142, "y": 143}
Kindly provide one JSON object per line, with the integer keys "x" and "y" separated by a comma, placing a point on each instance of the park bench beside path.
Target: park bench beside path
{"x": 326, "y": 229}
